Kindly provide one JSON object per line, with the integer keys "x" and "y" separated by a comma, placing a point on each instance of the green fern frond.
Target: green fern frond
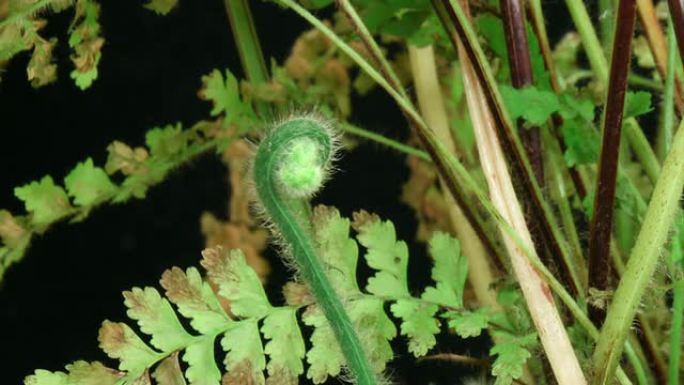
{"x": 263, "y": 343}
{"x": 128, "y": 172}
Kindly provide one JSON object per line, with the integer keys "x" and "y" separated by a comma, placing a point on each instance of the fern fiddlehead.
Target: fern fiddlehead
{"x": 290, "y": 166}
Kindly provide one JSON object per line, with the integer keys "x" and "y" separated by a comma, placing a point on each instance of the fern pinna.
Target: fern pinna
{"x": 263, "y": 342}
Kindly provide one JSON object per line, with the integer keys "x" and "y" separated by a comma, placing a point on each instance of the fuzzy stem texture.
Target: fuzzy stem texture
{"x": 278, "y": 189}
{"x": 642, "y": 262}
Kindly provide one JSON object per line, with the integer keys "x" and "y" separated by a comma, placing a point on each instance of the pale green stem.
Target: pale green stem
{"x": 591, "y": 43}
{"x": 396, "y": 145}
{"x": 642, "y": 263}
{"x": 367, "y": 38}
{"x": 642, "y": 148}
{"x": 249, "y": 48}
{"x": 640, "y": 81}
{"x": 555, "y": 164}
{"x": 607, "y": 23}
{"x": 668, "y": 116}
{"x": 676, "y": 332}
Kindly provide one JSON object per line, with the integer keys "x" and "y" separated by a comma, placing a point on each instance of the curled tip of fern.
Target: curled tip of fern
{"x": 297, "y": 154}
{"x": 301, "y": 172}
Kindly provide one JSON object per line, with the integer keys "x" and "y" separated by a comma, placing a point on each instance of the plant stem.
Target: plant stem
{"x": 642, "y": 262}
{"x": 249, "y": 48}
{"x": 458, "y": 26}
{"x": 606, "y": 22}
{"x": 521, "y": 75}
{"x": 641, "y": 81}
{"x": 399, "y": 146}
{"x": 656, "y": 41}
{"x": 536, "y": 292}
{"x": 287, "y": 212}
{"x": 592, "y": 46}
{"x": 537, "y": 17}
{"x": 431, "y": 104}
{"x": 375, "y": 51}
{"x": 555, "y": 164}
{"x": 676, "y": 332}
{"x": 668, "y": 118}
{"x": 677, "y": 14}
{"x": 602, "y": 220}
{"x": 437, "y": 151}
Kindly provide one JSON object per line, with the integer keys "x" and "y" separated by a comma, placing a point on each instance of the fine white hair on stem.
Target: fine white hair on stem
{"x": 257, "y": 207}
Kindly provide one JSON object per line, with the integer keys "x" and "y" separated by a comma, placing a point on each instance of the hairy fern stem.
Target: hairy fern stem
{"x": 290, "y": 166}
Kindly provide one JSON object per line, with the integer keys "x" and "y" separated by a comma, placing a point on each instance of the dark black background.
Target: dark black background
{"x": 52, "y": 303}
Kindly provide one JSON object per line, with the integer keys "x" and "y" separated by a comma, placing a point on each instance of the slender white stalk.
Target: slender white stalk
{"x": 535, "y": 290}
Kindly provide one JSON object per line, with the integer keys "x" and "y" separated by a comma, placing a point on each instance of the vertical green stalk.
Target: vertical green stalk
{"x": 290, "y": 165}
{"x": 665, "y": 137}
{"x": 376, "y": 53}
{"x": 668, "y": 118}
{"x": 607, "y": 23}
{"x": 642, "y": 263}
{"x": 555, "y": 164}
{"x": 592, "y": 46}
{"x": 676, "y": 331}
{"x": 249, "y": 48}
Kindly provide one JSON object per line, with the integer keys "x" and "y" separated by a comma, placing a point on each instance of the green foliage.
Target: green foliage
{"x": 511, "y": 354}
{"x": 224, "y": 93}
{"x": 409, "y": 19}
{"x": 45, "y": 201}
{"x": 87, "y": 184}
{"x": 536, "y": 106}
{"x": 530, "y": 103}
{"x": 262, "y": 340}
{"x": 128, "y": 173}
{"x": 86, "y": 43}
{"x": 161, "y": 7}
{"x": 491, "y": 29}
{"x": 637, "y": 103}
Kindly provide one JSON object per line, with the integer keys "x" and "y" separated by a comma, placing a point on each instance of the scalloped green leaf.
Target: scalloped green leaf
{"x": 46, "y": 201}
{"x": 156, "y": 318}
{"x": 88, "y": 184}
{"x": 237, "y": 282}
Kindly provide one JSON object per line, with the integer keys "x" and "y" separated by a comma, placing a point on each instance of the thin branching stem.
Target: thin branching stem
{"x": 602, "y": 220}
